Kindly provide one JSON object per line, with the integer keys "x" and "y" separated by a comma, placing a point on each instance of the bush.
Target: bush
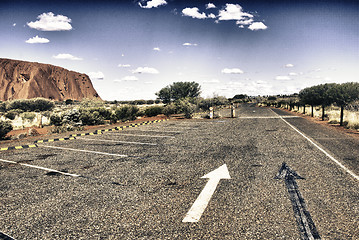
{"x": 88, "y": 103}
{"x": 184, "y": 106}
{"x": 29, "y": 116}
{"x": 127, "y": 112}
{"x": 91, "y": 118}
{"x": 69, "y": 101}
{"x": 11, "y": 115}
{"x": 169, "y": 109}
{"x": 5, "y": 127}
{"x": 2, "y": 106}
{"x": 56, "y": 120}
{"x": 31, "y": 105}
{"x": 72, "y": 117}
{"x": 153, "y": 111}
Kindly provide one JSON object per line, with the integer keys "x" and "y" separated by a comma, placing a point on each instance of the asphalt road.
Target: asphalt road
{"x": 141, "y": 182}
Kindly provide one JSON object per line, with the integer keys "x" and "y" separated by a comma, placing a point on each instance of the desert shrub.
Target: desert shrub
{"x": 169, "y": 109}
{"x": 28, "y": 116}
{"x": 30, "y": 105}
{"x": 186, "y": 107}
{"x": 71, "y": 117}
{"x": 127, "y": 112}
{"x": 2, "y": 106}
{"x": 206, "y": 103}
{"x": 11, "y": 115}
{"x": 153, "y": 111}
{"x": 5, "y": 127}
{"x": 91, "y": 118}
{"x": 90, "y": 103}
{"x": 41, "y": 104}
{"x": 139, "y": 102}
{"x": 56, "y": 120}
{"x": 66, "y": 128}
{"x": 69, "y": 101}
{"x": 105, "y": 113}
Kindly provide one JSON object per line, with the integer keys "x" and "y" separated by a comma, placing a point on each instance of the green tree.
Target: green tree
{"x": 179, "y": 90}
{"x": 318, "y": 95}
{"x": 344, "y": 94}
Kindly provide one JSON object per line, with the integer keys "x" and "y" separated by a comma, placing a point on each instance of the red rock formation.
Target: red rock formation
{"x": 23, "y": 80}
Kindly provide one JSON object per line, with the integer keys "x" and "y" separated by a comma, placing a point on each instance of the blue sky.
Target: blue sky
{"x": 132, "y": 49}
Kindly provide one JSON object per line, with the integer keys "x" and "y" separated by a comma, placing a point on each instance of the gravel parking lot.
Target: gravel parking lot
{"x": 139, "y": 183}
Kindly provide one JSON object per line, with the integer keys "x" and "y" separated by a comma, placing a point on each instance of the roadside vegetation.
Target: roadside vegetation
{"x": 180, "y": 99}
{"x": 335, "y": 103}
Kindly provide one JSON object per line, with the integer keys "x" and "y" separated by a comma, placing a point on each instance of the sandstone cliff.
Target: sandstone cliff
{"x": 23, "y": 80}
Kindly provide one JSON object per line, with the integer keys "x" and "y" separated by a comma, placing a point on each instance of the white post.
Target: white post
{"x": 211, "y": 115}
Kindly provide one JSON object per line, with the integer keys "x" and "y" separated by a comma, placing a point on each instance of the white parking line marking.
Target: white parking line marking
{"x": 136, "y": 135}
{"x": 88, "y": 151}
{"x": 321, "y": 149}
{"x": 42, "y": 168}
{"x": 114, "y": 141}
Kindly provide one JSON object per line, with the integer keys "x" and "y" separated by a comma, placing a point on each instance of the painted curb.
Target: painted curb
{"x": 18, "y": 147}
{"x": 55, "y": 140}
{"x": 73, "y": 136}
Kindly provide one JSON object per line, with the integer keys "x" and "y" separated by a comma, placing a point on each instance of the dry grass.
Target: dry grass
{"x": 333, "y": 115}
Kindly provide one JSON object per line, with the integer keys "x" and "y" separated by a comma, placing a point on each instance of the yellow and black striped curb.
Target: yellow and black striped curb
{"x": 73, "y": 136}
{"x": 18, "y": 147}
{"x": 55, "y": 140}
{"x": 86, "y": 134}
{"x": 132, "y": 125}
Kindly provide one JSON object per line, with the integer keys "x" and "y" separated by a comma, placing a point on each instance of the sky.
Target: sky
{"x": 131, "y": 49}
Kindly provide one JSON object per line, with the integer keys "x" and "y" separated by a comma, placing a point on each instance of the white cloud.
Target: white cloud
{"x": 156, "y": 49}
{"x": 289, "y": 65}
{"x": 210, "y": 5}
{"x": 244, "y": 22}
{"x": 51, "y": 22}
{"x": 211, "y": 15}
{"x": 129, "y": 78}
{"x": 66, "y": 56}
{"x": 190, "y": 44}
{"x": 153, "y": 3}
{"x": 37, "y": 39}
{"x": 282, "y": 78}
{"x": 232, "y": 71}
{"x": 146, "y": 70}
{"x": 124, "y": 65}
{"x": 293, "y": 74}
{"x": 233, "y": 12}
{"x": 194, "y": 13}
{"x": 257, "y": 26}
{"x": 96, "y": 75}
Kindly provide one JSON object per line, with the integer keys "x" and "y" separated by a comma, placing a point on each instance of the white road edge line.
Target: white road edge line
{"x": 269, "y": 117}
{"x": 136, "y": 135}
{"x": 42, "y": 168}
{"x": 88, "y": 151}
{"x": 114, "y": 141}
{"x": 321, "y": 149}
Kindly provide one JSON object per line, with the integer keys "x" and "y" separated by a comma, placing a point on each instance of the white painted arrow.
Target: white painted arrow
{"x": 198, "y": 207}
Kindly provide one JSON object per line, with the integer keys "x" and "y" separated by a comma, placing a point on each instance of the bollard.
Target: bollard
{"x": 233, "y": 111}
{"x": 211, "y": 113}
